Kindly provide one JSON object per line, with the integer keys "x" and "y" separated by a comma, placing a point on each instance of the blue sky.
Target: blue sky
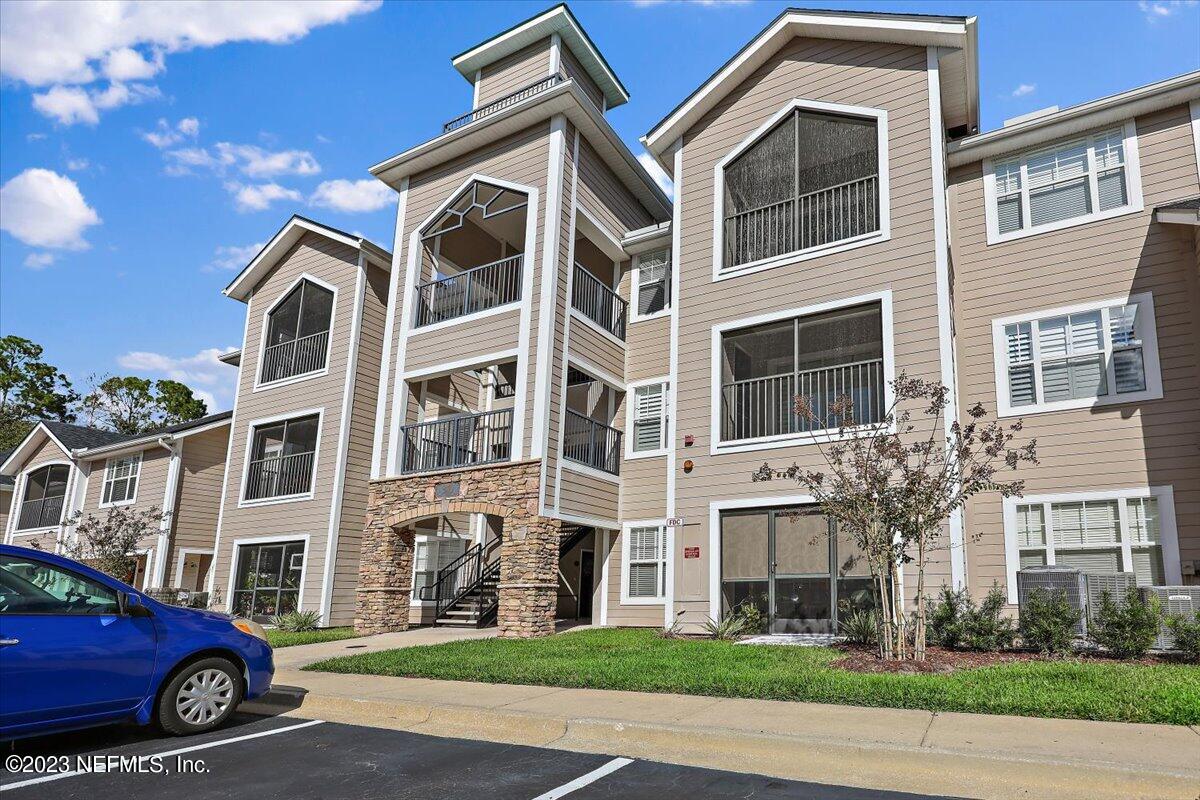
{"x": 144, "y": 150}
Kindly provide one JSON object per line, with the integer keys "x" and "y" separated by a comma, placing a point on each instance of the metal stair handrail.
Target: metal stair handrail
{"x": 458, "y": 579}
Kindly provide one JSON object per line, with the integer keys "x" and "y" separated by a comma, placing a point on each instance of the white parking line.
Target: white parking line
{"x": 179, "y": 751}
{"x": 584, "y": 780}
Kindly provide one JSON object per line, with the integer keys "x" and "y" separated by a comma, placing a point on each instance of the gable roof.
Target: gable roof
{"x": 80, "y": 437}
{"x": 170, "y": 432}
{"x": 560, "y": 20}
{"x": 287, "y": 236}
{"x": 960, "y": 88}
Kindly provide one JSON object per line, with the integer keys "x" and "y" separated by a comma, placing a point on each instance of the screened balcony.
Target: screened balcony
{"x": 594, "y": 299}
{"x": 297, "y": 333}
{"x": 471, "y": 291}
{"x": 460, "y": 440}
{"x": 44, "y": 497}
{"x": 821, "y": 357}
{"x": 282, "y": 456}
{"x": 588, "y": 436}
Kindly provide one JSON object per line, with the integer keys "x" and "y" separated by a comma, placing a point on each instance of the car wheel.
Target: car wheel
{"x": 200, "y": 697}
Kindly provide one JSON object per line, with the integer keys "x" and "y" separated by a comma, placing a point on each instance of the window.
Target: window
{"x": 121, "y": 480}
{"x": 34, "y": 587}
{"x": 1094, "y": 534}
{"x": 1088, "y": 178}
{"x": 811, "y": 180}
{"x": 267, "y": 579}
{"x": 645, "y": 565}
{"x": 281, "y": 458}
{"x": 649, "y": 421}
{"x": 45, "y": 493}
{"x": 821, "y": 357}
{"x": 1077, "y": 357}
{"x": 298, "y": 333}
{"x": 653, "y": 284}
{"x": 432, "y": 555}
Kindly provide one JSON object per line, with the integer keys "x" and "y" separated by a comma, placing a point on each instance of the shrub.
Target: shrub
{"x": 1187, "y": 635}
{"x": 956, "y": 622}
{"x": 859, "y": 627}
{"x": 945, "y": 617}
{"x": 1048, "y": 621}
{"x": 753, "y": 620}
{"x": 1126, "y": 629}
{"x": 296, "y": 621}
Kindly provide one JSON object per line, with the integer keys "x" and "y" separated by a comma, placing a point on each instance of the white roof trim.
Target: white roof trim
{"x": 149, "y": 440}
{"x": 19, "y": 454}
{"x": 1177, "y": 216}
{"x": 556, "y": 20}
{"x": 899, "y": 29}
{"x": 281, "y": 242}
{"x": 1076, "y": 119}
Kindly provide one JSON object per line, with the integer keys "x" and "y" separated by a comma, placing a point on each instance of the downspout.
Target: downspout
{"x": 170, "y": 498}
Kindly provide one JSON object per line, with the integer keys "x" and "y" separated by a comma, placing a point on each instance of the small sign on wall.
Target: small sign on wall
{"x": 674, "y": 522}
{"x": 691, "y": 552}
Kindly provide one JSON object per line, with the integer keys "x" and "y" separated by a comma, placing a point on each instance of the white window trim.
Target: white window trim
{"x": 181, "y": 555}
{"x": 635, "y": 289}
{"x": 1133, "y": 185}
{"x": 19, "y": 499}
{"x": 233, "y": 563}
{"x": 626, "y": 600}
{"x": 885, "y": 227}
{"x": 1150, "y": 364}
{"x": 1168, "y": 538}
{"x": 262, "y": 335}
{"x": 716, "y": 446}
{"x": 136, "y": 476}
{"x": 291, "y": 498}
{"x": 630, "y": 411}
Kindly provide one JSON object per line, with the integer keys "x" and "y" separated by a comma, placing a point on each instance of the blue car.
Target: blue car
{"x": 78, "y": 649}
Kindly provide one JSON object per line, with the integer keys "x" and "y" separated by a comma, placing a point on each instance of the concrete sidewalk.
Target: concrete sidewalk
{"x": 964, "y": 755}
{"x": 302, "y": 655}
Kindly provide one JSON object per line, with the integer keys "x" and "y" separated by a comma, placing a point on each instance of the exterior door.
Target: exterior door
{"x": 587, "y": 572}
{"x": 802, "y": 599}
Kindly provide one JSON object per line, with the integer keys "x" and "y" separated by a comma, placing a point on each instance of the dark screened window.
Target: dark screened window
{"x": 298, "y": 333}
{"x": 281, "y": 458}
{"x": 42, "y": 502}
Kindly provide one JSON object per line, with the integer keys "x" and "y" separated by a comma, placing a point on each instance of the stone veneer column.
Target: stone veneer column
{"x": 384, "y": 574}
{"x": 528, "y": 574}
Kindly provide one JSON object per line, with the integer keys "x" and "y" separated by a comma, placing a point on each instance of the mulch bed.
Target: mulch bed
{"x": 940, "y": 660}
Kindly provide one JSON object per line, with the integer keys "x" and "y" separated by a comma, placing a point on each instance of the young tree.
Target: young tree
{"x": 893, "y": 485}
{"x": 136, "y": 405}
{"x": 109, "y": 544}
{"x": 30, "y": 390}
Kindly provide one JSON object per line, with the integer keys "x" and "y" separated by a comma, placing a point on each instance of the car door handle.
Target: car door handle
{"x": 8, "y": 642}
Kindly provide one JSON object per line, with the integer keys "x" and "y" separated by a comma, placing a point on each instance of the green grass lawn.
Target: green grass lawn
{"x": 280, "y": 639}
{"x": 638, "y": 660}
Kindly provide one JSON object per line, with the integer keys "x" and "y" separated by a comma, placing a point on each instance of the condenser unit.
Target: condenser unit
{"x": 1055, "y": 579}
{"x": 1173, "y": 600}
{"x": 1117, "y": 584}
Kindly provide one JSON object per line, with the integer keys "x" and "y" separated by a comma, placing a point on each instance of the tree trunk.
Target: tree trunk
{"x": 919, "y": 633}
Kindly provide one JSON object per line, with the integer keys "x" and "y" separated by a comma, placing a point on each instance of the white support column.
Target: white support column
{"x": 162, "y": 550}
{"x": 673, "y": 392}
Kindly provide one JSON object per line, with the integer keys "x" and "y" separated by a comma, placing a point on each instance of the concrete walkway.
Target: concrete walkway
{"x": 963, "y": 755}
{"x": 302, "y": 655}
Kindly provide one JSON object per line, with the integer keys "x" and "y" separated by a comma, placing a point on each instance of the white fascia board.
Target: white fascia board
{"x": 20, "y": 453}
{"x": 643, "y": 240}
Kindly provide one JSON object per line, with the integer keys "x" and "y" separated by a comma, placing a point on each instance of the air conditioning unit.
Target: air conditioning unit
{"x": 1117, "y": 584}
{"x": 1174, "y": 600}
{"x": 1055, "y": 579}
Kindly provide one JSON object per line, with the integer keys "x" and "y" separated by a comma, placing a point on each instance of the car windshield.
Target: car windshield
{"x": 34, "y": 587}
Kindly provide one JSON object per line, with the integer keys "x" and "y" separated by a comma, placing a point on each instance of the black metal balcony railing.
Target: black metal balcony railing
{"x": 760, "y": 407}
{"x": 43, "y": 513}
{"x": 597, "y": 302}
{"x": 297, "y": 357}
{"x": 592, "y": 443}
{"x": 504, "y": 102}
{"x": 476, "y": 289}
{"x": 462, "y": 440}
{"x": 279, "y": 476}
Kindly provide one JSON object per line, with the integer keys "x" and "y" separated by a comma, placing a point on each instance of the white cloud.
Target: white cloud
{"x": 1156, "y": 10}
{"x": 211, "y": 380}
{"x": 323, "y": 139}
{"x": 77, "y": 164}
{"x": 256, "y": 162}
{"x": 37, "y": 261}
{"x": 165, "y": 136}
{"x": 180, "y": 162}
{"x": 44, "y": 209}
{"x": 352, "y": 197}
{"x": 233, "y": 257}
{"x": 259, "y": 197}
{"x": 48, "y": 43}
{"x": 34, "y": 137}
{"x": 1024, "y": 89}
{"x": 656, "y": 171}
{"x": 127, "y": 64}
{"x": 69, "y": 105}
{"x": 189, "y": 126}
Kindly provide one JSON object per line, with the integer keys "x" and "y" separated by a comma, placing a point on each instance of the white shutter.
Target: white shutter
{"x": 1095, "y": 561}
{"x": 1148, "y": 566}
{"x": 1020, "y": 342}
{"x": 1086, "y": 334}
{"x": 1110, "y": 149}
{"x": 1068, "y": 523}
{"x": 1142, "y": 513}
{"x": 649, "y": 402}
{"x": 1102, "y": 522}
{"x": 1031, "y": 526}
{"x": 1052, "y": 336}
{"x": 643, "y": 544}
{"x": 643, "y": 580}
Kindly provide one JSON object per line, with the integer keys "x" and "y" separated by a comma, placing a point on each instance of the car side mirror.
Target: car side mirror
{"x": 132, "y": 606}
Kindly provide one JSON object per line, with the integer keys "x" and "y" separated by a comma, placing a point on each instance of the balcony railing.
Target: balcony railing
{"x": 43, "y": 513}
{"x": 760, "y": 407}
{"x": 476, "y": 289}
{"x": 798, "y": 223}
{"x": 297, "y": 357}
{"x": 597, "y": 302}
{"x": 462, "y": 440}
{"x": 592, "y": 443}
{"x": 504, "y": 102}
{"x": 279, "y": 476}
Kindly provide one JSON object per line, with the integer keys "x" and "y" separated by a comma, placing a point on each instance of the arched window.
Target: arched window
{"x": 298, "y": 332}
{"x": 811, "y": 180}
{"x": 42, "y": 502}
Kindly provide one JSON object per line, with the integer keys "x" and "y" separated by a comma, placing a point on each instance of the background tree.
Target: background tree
{"x": 132, "y": 405}
{"x": 110, "y": 543}
{"x": 30, "y": 390}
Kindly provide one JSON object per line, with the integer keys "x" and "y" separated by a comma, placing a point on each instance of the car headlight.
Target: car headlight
{"x": 249, "y": 626}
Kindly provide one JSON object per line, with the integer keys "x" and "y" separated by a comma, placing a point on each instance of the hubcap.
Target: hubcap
{"x": 204, "y": 697}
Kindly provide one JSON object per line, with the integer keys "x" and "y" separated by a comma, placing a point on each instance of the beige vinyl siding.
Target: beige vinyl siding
{"x": 605, "y": 197}
{"x": 595, "y": 348}
{"x": 151, "y": 488}
{"x": 202, "y": 467}
{"x": 620, "y": 615}
{"x": 46, "y": 452}
{"x": 522, "y": 159}
{"x": 514, "y": 72}
{"x": 336, "y": 264}
{"x": 584, "y": 495}
{"x": 644, "y": 488}
{"x": 1120, "y": 446}
{"x": 466, "y": 338}
{"x": 358, "y": 447}
{"x": 648, "y": 349}
{"x": 575, "y": 71}
{"x": 886, "y": 76}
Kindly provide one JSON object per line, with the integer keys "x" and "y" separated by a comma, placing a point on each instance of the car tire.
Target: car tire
{"x": 200, "y": 697}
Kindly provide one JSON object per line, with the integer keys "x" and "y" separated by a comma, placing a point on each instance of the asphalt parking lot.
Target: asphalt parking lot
{"x": 281, "y": 757}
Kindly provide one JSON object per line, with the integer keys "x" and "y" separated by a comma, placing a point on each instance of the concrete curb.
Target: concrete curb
{"x": 831, "y": 760}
